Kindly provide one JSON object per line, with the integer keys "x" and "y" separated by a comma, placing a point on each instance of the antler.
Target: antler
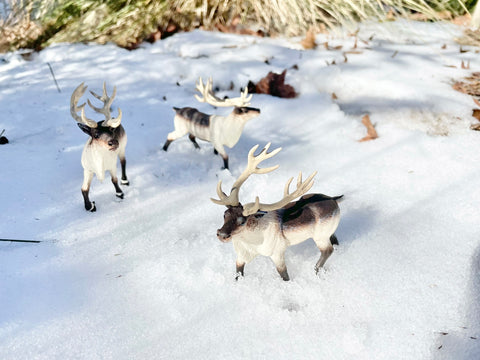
{"x": 74, "y": 109}
{"x": 210, "y": 98}
{"x": 253, "y": 161}
{"x": 302, "y": 188}
{"x": 105, "y": 110}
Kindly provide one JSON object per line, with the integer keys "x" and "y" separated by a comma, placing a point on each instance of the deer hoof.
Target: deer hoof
{"x": 125, "y": 182}
{"x": 119, "y": 195}
{"x": 93, "y": 208}
{"x": 238, "y": 276}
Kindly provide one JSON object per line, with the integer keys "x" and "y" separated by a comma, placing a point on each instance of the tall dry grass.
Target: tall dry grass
{"x": 38, "y": 23}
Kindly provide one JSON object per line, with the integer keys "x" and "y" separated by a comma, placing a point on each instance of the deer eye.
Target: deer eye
{"x": 241, "y": 220}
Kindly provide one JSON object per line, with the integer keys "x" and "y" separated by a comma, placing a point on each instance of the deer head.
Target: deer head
{"x": 106, "y": 132}
{"x": 237, "y": 214}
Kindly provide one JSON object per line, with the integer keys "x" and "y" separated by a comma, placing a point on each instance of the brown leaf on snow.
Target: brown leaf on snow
{"x": 476, "y": 114}
{"x": 371, "y": 132}
{"x": 273, "y": 84}
{"x": 309, "y": 41}
{"x": 353, "y": 52}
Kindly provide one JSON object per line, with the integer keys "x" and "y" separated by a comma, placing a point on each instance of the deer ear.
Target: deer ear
{"x": 86, "y": 129}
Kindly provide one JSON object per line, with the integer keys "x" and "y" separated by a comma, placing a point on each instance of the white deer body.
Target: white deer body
{"x": 106, "y": 144}
{"x": 96, "y": 159}
{"x": 270, "y": 234}
{"x": 269, "y": 229}
{"x": 219, "y": 130}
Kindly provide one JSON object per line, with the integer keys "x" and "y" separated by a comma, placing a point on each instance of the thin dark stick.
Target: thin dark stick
{"x": 21, "y": 241}
{"x": 53, "y": 75}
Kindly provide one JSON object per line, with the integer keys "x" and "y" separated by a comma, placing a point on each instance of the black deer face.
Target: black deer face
{"x": 233, "y": 221}
{"x": 108, "y": 137}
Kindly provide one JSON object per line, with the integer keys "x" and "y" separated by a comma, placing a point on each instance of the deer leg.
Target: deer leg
{"x": 223, "y": 154}
{"x": 333, "y": 240}
{"x": 326, "y": 251}
{"x": 119, "y": 192}
{"x": 166, "y": 145}
{"x": 192, "y": 139}
{"x": 123, "y": 163}
{"x": 87, "y": 180}
{"x": 179, "y": 131}
{"x": 279, "y": 261}
{"x": 240, "y": 267}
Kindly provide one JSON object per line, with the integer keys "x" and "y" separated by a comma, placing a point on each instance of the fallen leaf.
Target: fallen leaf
{"x": 371, "y": 132}
{"x": 273, "y": 84}
{"x": 309, "y": 41}
{"x": 466, "y": 66}
{"x": 476, "y": 114}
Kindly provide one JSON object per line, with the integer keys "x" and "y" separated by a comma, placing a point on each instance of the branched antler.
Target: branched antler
{"x": 209, "y": 97}
{"x": 105, "y": 110}
{"x": 74, "y": 108}
{"x": 252, "y": 168}
{"x": 302, "y": 188}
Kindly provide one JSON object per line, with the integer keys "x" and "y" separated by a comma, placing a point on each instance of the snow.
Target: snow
{"x": 146, "y": 278}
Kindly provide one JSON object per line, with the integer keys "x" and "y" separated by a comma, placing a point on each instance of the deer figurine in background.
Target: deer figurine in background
{"x": 269, "y": 229}
{"x": 106, "y": 144}
{"x": 219, "y": 130}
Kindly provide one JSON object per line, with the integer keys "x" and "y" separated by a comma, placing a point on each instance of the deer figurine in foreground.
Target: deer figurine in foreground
{"x": 107, "y": 142}
{"x": 219, "y": 130}
{"x": 269, "y": 229}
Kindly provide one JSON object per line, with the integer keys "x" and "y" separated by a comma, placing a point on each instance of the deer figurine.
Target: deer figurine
{"x": 107, "y": 142}
{"x": 269, "y": 229}
{"x": 219, "y": 130}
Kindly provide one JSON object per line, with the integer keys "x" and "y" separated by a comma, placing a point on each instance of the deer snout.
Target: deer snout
{"x": 222, "y": 235}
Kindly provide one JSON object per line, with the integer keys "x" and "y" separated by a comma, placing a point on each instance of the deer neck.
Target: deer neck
{"x": 232, "y": 129}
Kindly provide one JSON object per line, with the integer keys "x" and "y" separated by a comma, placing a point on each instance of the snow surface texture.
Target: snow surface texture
{"x": 146, "y": 277}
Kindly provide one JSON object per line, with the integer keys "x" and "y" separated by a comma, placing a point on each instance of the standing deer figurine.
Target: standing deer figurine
{"x": 107, "y": 142}
{"x": 219, "y": 130}
{"x": 269, "y": 229}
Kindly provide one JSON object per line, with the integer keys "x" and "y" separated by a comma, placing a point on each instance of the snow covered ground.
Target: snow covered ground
{"x": 146, "y": 277}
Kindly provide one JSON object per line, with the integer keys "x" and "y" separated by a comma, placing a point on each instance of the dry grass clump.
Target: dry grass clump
{"x": 36, "y": 24}
{"x": 470, "y": 37}
{"x": 16, "y": 26}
